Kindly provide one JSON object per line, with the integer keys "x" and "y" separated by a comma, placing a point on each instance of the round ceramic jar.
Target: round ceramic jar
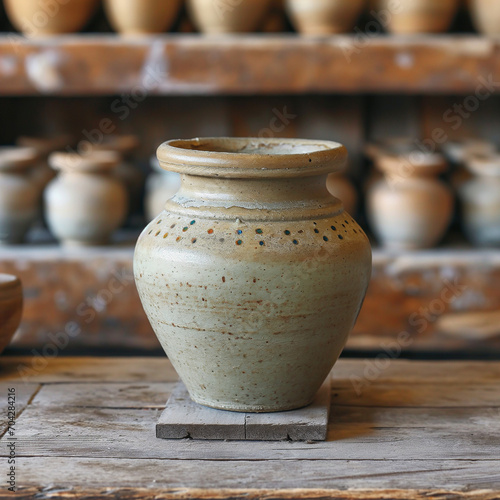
{"x": 481, "y": 200}
{"x": 19, "y": 193}
{"x": 253, "y": 275}
{"x": 486, "y": 16}
{"x": 140, "y": 17}
{"x": 324, "y": 17}
{"x": 407, "y": 17}
{"x": 85, "y": 203}
{"x": 11, "y": 307}
{"x": 216, "y": 17}
{"x": 46, "y": 17}
{"x": 410, "y": 208}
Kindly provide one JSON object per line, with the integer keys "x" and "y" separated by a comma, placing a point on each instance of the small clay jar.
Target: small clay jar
{"x": 407, "y": 17}
{"x": 342, "y": 188}
{"x": 215, "y": 17}
{"x": 275, "y": 21}
{"x": 11, "y": 308}
{"x": 46, "y": 17}
{"x": 161, "y": 185}
{"x": 141, "y": 17}
{"x": 485, "y": 16}
{"x": 19, "y": 193}
{"x": 86, "y": 202}
{"x": 324, "y": 17}
{"x": 409, "y": 208}
{"x": 480, "y": 198}
{"x": 253, "y": 275}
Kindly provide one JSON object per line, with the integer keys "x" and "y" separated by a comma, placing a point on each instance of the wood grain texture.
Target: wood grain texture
{"x": 287, "y": 64}
{"x": 417, "y": 430}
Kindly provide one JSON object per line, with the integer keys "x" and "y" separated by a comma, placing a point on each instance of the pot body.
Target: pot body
{"x": 45, "y": 17}
{"x": 485, "y": 16}
{"x": 11, "y": 306}
{"x": 419, "y": 16}
{"x": 85, "y": 208}
{"x": 251, "y": 292}
{"x": 324, "y": 17}
{"x": 480, "y": 198}
{"x": 19, "y": 205}
{"x": 227, "y": 17}
{"x": 142, "y": 16}
{"x": 409, "y": 213}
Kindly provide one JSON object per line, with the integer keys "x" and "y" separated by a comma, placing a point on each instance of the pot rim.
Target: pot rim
{"x": 239, "y": 157}
{"x": 45, "y": 145}
{"x": 96, "y": 161}
{"x": 9, "y": 283}
{"x": 483, "y": 164}
{"x": 123, "y": 144}
{"x": 17, "y": 157}
{"x": 430, "y": 164}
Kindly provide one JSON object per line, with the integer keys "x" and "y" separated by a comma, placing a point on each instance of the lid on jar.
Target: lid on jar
{"x": 19, "y": 158}
{"x": 96, "y": 161}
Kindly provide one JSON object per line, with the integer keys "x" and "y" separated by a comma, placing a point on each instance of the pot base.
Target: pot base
{"x": 249, "y": 408}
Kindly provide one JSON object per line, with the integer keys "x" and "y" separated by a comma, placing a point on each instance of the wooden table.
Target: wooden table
{"x": 399, "y": 429}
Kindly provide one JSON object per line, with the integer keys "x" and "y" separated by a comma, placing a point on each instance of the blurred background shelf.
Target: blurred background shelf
{"x": 182, "y": 64}
{"x": 86, "y": 298}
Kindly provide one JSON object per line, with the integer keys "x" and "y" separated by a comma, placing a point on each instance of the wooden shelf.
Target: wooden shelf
{"x": 246, "y": 64}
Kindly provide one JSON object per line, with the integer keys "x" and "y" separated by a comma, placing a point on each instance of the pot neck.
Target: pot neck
{"x": 298, "y": 198}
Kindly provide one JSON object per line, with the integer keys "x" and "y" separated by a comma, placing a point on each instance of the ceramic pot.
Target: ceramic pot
{"x": 11, "y": 307}
{"x": 86, "y": 202}
{"x": 485, "y": 16}
{"x": 46, "y": 17}
{"x": 410, "y": 208}
{"x": 407, "y": 17}
{"x": 480, "y": 198}
{"x": 160, "y": 187}
{"x": 126, "y": 171}
{"x": 275, "y": 20}
{"x": 342, "y": 188}
{"x": 139, "y": 17}
{"x": 215, "y": 17}
{"x": 324, "y": 17}
{"x": 19, "y": 194}
{"x": 253, "y": 275}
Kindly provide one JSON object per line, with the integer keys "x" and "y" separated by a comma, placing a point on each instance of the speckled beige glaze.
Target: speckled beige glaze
{"x": 139, "y": 17}
{"x": 481, "y": 200}
{"x": 11, "y": 306}
{"x": 253, "y": 276}
{"x": 407, "y": 17}
{"x": 19, "y": 193}
{"x": 46, "y": 17}
{"x": 410, "y": 208}
{"x": 85, "y": 203}
{"x": 324, "y": 17}
{"x": 485, "y": 16}
{"x": 216, "y": 17}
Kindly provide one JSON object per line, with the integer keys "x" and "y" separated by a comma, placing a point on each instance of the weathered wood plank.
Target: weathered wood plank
{"x": 62, "y": 474}
{"x": 286, "y": 64}
{"x": 183, "y": 418}
{"x": 23, "y": 394}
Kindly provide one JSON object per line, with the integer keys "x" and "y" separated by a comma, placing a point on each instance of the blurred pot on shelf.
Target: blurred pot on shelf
{"x": 228, "y": 17}
{"x": 86, "y": 203}
{"x": 140, "y": 17}
{"x": 342, "y": 188}
{"x": 409, "y": 208}
{"x": 406, "y": 17}
{"x": 19, "y": 193}
{"x": 480, "y": 198}
{"x": 275, "y": 20}
{"x": 161, "y": 185}
{"x": 485, "y": 16}
{"x": 324, "y": 17}
{"x": 46, "y": 17}
{"x": 11, "y": 308}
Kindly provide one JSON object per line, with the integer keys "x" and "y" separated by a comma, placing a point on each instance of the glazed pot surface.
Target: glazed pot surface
{"x": 11, "y": 305}
{"x": 253, "y": 275}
